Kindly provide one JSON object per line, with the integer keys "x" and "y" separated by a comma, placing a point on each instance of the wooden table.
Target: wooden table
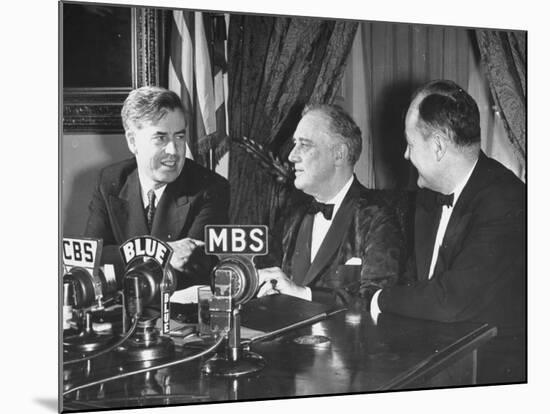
{"x": 396, "y": 353}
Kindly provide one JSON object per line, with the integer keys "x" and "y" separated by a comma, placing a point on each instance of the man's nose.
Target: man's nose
{"x": 293, "y": 156}
{"x": 170, "y": 147}
{"x": 406, "y": 154}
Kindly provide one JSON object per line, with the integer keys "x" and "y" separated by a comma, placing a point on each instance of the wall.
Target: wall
{"x": 83, "y": 155}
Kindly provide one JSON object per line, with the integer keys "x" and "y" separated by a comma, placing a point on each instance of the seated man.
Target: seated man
{"x": 340, "y": 243}
{"x": 158, "y": 192}
{"x": 469, "y": 226}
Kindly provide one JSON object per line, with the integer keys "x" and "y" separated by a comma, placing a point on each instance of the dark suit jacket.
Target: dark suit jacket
{"x": 363, "y": 228}
{"x": 480, "y": 270}
{"x": 196, "y": 198}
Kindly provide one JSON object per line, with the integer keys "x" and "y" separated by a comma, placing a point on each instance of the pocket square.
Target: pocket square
{"x": 354, "y": 261}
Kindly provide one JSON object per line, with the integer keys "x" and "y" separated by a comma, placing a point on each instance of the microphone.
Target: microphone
{"x": 83, "y": 289}
{"x": 234, "y": 282}
{"x": 148, "y": 282}
{"x": 144, "y": 281}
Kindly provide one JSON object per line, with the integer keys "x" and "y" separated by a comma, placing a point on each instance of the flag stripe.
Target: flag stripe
{"x": 197, "y": 72}
{"x": 205, "y": 87}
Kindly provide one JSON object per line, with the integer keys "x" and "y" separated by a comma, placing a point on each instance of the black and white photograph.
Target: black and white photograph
{"x": 289, "y": 210}
{"x": 267, "y": 206}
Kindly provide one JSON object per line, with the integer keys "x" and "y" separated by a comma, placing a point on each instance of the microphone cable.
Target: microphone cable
{"x": 143, "y": 370}
{"x": 109, "y": 348}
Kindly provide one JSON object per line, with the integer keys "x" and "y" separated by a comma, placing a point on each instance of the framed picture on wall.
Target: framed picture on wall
{"x": 106, "y": 51}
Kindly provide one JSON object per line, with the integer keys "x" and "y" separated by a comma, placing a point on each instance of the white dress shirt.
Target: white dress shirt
{"x": 147, "y": 185}
{"x": 443, "y": 222}
{"x": 321, "y": 226}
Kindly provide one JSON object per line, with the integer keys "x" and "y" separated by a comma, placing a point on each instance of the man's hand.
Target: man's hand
{"x": 182, "y": 250}
{"x": 273, "y": 278}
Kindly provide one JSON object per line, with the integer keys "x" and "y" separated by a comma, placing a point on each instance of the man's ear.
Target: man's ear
{"x": 340, "y": 153}
{"x": 131, "y": 141}
{"x": 441, "y": 144}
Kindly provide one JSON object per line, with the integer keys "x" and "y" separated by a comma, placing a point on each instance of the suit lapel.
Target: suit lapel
{"x": 301, "y": 260}
{"x": 171, "y": 214}
{"x": 336, "y": 233}
{"x": 462, "y": 211}
{"x": 129, "y": 222}
{"x": 290, "y": 235}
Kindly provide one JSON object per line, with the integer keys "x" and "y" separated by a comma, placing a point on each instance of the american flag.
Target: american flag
{"x": 198, "y": 73}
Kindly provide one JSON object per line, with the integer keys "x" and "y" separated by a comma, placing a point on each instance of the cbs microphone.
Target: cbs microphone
{"x": 87, "y": 288}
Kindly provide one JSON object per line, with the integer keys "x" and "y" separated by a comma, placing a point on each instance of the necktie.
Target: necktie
{"x": 445, "y": 200}
{"x": 151, "y": 208}
{"x": 317, "y": 207}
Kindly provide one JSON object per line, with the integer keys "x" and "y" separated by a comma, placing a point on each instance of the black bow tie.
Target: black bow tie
{"x": 317, "y": 207}
{"x": 445, "y": 200}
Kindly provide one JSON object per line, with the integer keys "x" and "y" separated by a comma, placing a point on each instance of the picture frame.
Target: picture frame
{"x": 96, "y": 109}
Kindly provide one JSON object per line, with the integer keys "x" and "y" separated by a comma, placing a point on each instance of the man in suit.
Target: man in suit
{"x": 341, "y": 242}
{"x": 469, "y": 226}
{"x": 158, "y": 192}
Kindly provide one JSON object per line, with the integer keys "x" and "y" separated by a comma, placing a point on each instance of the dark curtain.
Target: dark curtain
{"x": 503, "y": 55}
{"x": 276, "y": 66}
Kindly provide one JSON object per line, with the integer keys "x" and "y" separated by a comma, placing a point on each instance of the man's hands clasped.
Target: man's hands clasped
{"x": 273, "y": 280}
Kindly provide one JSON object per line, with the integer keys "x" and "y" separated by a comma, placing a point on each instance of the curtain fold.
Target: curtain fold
{"x": 356, "y": 100}
{"x": 503, "y": 55}
{"x": 494, "y": 138}
{"x": 276, "y": 66}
